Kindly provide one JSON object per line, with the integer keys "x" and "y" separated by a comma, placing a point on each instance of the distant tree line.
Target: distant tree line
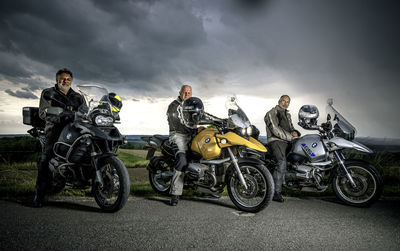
{"x": 19, "y": 149}
{"x": 137, "y": 145}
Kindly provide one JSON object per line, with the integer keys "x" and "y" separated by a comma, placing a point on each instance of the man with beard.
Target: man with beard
{"x": 61, "y": 95}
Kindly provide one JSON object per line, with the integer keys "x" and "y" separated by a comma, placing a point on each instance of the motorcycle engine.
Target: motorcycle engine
{"x": 201, "y": 173}
{"x": 61, "y": 170}
{"x": 303, "y": 175}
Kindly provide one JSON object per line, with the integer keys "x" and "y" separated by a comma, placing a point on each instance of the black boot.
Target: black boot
{"x": 174, "y": 200}
{"x": 277, "y": 197}
{"x": 37, "y": 202}
{"x": 39, "y": 195}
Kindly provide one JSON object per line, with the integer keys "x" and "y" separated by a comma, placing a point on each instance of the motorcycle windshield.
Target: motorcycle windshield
{"x": 237, "y": 117}
{"x": 93, "y": 95}
{"x": 341, "y": 127}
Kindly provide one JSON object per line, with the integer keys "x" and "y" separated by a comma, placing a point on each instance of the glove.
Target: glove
{"x": 67, "y": 116}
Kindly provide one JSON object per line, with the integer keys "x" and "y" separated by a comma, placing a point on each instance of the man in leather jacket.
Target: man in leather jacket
{"x": 61, "y": 95}
{"x": 180, "y": 135}
{"x": 280, "y": 132}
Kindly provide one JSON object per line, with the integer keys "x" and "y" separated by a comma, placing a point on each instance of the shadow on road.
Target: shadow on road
{"x": 218, "y": 202}
{"x": 27, "y": 202}
{"x": 73, "y": 206}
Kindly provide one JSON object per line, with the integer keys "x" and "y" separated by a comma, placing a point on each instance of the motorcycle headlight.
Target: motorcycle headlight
{"x": 101, "y": 120}
{"x": 246, "y": 131}
{"x": 249, "y": 130}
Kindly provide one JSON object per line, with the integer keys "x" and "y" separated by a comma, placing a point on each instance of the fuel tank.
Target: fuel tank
{"x": 205, "y": 143}
{"x": 310, "y": 146}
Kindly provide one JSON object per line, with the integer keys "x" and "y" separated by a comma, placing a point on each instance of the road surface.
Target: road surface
{"x": 200, "y": 224}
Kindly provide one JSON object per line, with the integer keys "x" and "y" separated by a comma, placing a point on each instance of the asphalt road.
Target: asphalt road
{"x": 200, "y": 224}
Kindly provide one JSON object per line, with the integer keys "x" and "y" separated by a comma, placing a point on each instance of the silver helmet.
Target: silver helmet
{"x": 308, "y": 116}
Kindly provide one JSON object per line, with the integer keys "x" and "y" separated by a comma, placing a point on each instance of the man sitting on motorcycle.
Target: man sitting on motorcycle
{"x": 280, "y": 132}
{"x": 180, "y": 135}
{"x": 60, "y": 95}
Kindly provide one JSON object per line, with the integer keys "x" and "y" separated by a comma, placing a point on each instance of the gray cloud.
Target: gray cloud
{"x": 24, "y": 93}
{"x": 126, "y": 43}
{"x": 341, "y": 49}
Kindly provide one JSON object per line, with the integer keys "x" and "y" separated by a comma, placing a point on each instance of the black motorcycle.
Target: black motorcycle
{"x": 85, "y": 152}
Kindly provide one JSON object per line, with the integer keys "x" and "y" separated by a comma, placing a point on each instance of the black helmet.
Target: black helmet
{"x": 114, "y": 100}
{"x": 308, "y": 116}
{"x": 191, "y": 112}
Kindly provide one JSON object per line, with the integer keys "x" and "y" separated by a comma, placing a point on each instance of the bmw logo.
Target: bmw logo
{"x": 68, "y": 136}
{"x": 314, "y": 145}
{"x": 208, "y": 140}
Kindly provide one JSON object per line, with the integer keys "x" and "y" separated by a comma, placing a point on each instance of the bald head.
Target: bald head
{"x": 185, "y": 92}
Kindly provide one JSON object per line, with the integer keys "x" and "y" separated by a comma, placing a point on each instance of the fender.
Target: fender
{"x": 241, "y": 162}
{"x": 153, "y": 163}
{"x": 250, "y": 161}
{"x": 349, "y": 162}
{"x": 343, "y": 143}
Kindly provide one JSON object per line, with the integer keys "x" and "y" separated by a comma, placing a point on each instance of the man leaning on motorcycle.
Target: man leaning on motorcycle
{"x": 63, "y": 96}
{"x": 280, "y": 132}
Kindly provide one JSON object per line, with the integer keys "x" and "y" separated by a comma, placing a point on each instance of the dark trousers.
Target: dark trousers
{"x": 44, "y": 176}
{"x": 279, "y": 149}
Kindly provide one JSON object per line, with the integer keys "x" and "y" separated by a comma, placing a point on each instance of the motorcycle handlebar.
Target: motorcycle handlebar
{"x": 211, "y": 119}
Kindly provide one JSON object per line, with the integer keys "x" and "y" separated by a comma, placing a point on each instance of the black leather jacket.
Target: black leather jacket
{"x": 53, "y": 97}
{"x": 174, "y": 121}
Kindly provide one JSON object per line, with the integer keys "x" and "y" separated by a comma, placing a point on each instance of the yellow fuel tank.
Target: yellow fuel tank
{"x": 205, "y": 143}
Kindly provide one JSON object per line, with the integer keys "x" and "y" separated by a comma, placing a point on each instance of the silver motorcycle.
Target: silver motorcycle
{"x": 317, "y": 160}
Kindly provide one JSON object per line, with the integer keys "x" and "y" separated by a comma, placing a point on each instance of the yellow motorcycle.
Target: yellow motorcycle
{"x": 224, "y": 155}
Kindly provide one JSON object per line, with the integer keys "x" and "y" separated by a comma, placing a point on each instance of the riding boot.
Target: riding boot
{"x": 277, "y": 197}
{"x": 39, "y": 195}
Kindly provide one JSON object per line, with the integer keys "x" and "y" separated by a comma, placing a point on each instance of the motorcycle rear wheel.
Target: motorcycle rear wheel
{"x": 115, "y": 191}
{"x": 259, "y": 192}
{"x": 160, "y": 184}
{"x": 369, "y": 185}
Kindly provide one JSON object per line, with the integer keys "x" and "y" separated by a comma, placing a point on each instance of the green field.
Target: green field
{"x": 18, "y": 179}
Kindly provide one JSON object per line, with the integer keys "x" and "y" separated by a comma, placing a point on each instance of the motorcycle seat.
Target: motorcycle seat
{"x": 158, "y": 139}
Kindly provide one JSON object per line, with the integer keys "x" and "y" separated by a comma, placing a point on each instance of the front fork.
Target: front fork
{"x": 94, "y": 160}
{"x": 235, "y": 163}
{"x": 340, "y": 159}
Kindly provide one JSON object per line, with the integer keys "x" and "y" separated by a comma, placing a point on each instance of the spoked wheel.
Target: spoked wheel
{"x": 368, "y": 185}
{"x": 160, "y": 178}
{"x": 259, "y": 188}
{"x": 114, "y": 193}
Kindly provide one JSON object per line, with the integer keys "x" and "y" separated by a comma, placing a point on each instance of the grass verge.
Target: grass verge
{"x": 18, "y": 179}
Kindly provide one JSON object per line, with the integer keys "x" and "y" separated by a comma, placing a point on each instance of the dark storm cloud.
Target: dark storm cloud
{"x": 24, "y": 93}
{"x": 347, "y": 50}
{"x": 133, "y": 43}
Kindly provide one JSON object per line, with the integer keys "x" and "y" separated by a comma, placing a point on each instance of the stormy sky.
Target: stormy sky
{"x": 145, "y": 50}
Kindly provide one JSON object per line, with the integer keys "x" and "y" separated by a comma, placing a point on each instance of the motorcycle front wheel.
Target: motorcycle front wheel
{"x": 114, "y": 193}
{"x": 368, "y": 187}
{"x": 260, "y": 188}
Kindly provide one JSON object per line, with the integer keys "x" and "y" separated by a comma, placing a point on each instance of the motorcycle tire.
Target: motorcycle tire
{"x": 159, "y": 184}
{"x": 260, "y": 188}
{"x": 368, "y": 180}
{"x": 115, "y": 191}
